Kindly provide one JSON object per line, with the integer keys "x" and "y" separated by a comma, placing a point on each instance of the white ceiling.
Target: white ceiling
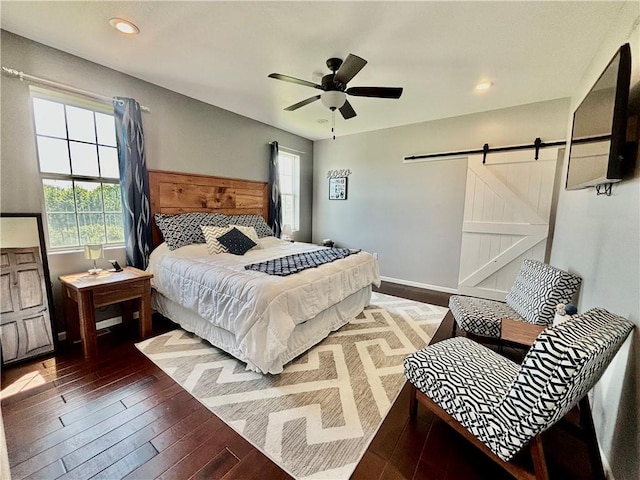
{"x": 222, "y": 52}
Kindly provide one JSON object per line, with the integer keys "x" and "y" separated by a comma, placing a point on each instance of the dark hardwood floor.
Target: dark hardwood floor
{"x": 120, "y": 416}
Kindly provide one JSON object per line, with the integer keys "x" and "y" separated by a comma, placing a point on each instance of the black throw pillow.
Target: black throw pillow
{"x": 236, "y": 242}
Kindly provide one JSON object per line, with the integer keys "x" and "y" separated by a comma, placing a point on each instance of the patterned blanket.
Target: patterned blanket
{"x": 297, "y": 262}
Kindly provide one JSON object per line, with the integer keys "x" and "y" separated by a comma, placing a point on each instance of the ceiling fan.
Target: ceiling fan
{"x": 334, "y": 86}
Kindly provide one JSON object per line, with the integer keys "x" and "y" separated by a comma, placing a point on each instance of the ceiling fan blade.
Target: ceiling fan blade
{"x": 347, "y": 111}
{"x": 349, "y": 69}
{"x": 296, "y": 106}
{"x": 287, "y": 78}
{"x": 380, "y": 92}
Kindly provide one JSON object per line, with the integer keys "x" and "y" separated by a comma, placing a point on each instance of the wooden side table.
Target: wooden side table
{"x": 84, "y": 292}
{"x": 519, "y": 332}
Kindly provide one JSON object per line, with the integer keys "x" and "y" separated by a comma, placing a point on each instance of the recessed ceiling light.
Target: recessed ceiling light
{"x": 124, "y": 26}
{"x": 484, "y": 85}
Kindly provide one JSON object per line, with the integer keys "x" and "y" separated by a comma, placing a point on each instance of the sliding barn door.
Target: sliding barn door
{"x": 506, "y": 218}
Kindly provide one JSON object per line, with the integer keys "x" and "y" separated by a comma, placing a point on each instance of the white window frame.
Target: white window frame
{"x": 75, "y": 101}
{"x": 295, "y": 173}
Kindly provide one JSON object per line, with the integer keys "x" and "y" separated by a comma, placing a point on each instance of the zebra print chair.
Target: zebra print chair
{"x": 502, "y": 406}
{"x": 536, "y": 291}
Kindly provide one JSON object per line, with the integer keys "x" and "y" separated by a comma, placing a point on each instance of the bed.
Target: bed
{"x": 263, "y": 320}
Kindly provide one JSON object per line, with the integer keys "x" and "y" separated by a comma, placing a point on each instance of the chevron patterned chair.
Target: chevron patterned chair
{"x": 533, "y": 297}
{"x": 501, "y": 406}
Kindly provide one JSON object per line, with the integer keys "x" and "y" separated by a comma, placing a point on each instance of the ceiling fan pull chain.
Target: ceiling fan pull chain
{"x": 333, "y": 122}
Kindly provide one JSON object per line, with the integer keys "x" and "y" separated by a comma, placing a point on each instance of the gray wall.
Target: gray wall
{"x": 411, "y": 214}
{"x": 181, "y": 134}
{"x": 599, "y": 238}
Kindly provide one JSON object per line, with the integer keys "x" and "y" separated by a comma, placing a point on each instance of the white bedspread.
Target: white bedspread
{"x": 260, "y": 310}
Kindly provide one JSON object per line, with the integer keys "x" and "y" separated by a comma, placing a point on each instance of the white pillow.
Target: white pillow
{"x": 211, "y": 235}
{"x": 249, "y": 232}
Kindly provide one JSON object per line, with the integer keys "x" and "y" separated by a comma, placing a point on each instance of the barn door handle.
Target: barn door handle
{"x": 14, "y": 278}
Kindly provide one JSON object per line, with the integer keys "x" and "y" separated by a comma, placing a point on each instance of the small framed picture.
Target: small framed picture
{"x": 338, "y": 188}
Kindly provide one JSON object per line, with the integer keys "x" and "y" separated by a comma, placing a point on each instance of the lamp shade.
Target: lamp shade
{"x": 93, "y": 252}
{"x": 333, "y": 99}
{"x": 286, "y": 230}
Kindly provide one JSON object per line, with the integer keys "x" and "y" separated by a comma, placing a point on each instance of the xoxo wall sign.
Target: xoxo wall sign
{"x": 338, "y": 173}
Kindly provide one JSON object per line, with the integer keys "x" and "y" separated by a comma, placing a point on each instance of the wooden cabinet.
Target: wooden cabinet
{"x": 25, "y": 323}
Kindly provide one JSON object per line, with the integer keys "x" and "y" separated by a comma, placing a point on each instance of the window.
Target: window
{"x": 78, "y": 161}
{"x": 289, "y": 178}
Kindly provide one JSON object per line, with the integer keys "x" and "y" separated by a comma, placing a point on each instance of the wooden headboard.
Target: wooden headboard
{"x": 173, "y": 193}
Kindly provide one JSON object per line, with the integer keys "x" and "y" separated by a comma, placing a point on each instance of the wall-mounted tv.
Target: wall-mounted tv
{"x": 598, "y": 138}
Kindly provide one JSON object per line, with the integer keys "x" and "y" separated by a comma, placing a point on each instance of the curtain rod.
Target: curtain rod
{"x": 68, "y": 88}
{"x": 537, "y": 144}
{"x": 290, "y": 149}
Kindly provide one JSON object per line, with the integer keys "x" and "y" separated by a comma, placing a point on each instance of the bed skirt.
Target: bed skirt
{"x": 304, "y": 336}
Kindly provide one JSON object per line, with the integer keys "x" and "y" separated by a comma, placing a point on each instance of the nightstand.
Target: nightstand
{"x": 84, "y": 292}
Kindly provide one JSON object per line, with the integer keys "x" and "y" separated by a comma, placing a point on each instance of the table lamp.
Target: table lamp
{"x": 93, "y": 252}
{"x": 287, "y": 232}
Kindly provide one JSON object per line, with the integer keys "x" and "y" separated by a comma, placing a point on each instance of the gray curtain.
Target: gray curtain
{"x": 134, "y": 182}
{"x": 275, "y": 207}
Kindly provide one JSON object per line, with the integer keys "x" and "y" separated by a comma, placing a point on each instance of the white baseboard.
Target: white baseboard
{"x": 102, "y": 324}
{"x": 608, "y": 473}
{"x": 410, "y": 283}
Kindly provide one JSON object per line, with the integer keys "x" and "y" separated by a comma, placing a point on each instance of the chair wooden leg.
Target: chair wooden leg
{"x": 586, "y": 422}
{"x": 413, "y": 403}
{"x": 537, "y": 456}
{"x": 518, "y": 471}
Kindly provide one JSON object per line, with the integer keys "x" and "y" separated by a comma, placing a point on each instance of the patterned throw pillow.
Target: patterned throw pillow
{"x": 211, "y": 234}
{"x": 184, "y": 229}
{"x": 249, "y": 232}
{"x": 255, "y": 221}
{"x": 236, "y": 241}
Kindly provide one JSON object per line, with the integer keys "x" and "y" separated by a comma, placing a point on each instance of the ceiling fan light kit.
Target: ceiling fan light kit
{"x": 333, "y": 99}
{"x": 334, "y": 87}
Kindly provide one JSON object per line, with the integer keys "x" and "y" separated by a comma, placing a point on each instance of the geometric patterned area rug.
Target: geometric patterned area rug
{"x": 316, "y": 418}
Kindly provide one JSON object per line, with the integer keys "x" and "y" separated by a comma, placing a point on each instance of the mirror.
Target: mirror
{"x": 26, "y": 307}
